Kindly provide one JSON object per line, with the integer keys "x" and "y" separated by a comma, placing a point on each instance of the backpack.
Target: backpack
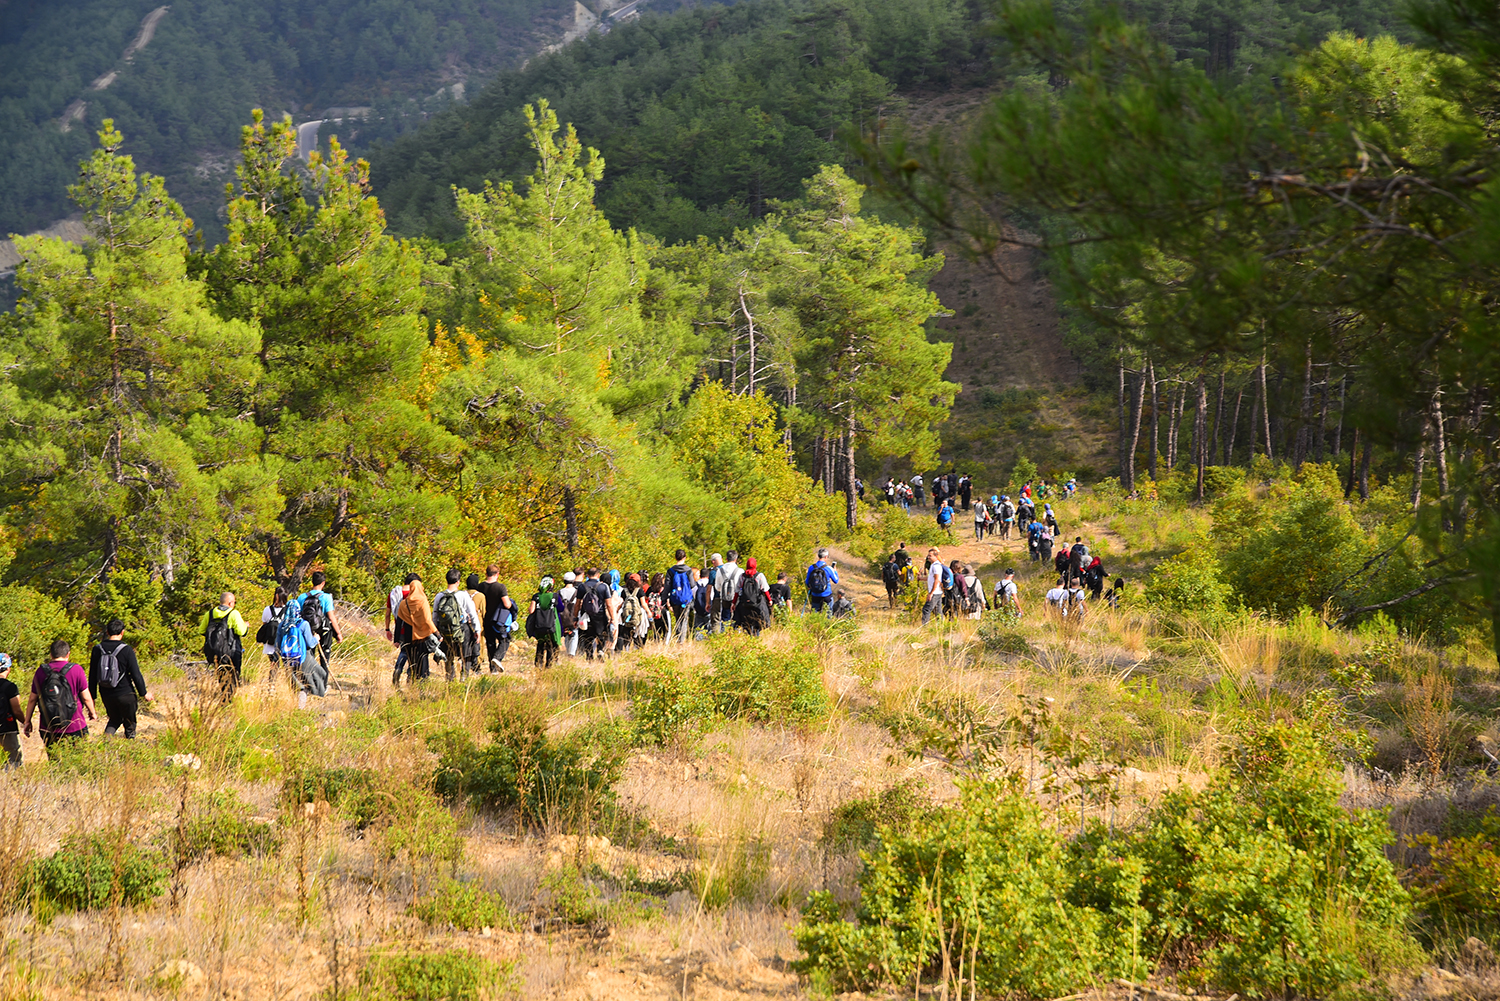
{"x": 890, "y": 573}
{"x": 1005, "y": 593}
{"x": 267, "y": 631}
{"x": 973, "y": 597}
{"x": 947, "y": 576}
{"x": 313, "y": 612}
{"x": 817, "y": 580}
{"x": 700, "y": 601}
{"x": 1007, "y": 512}
{"x": 630, "y": 607}
{"x": 682, "y": 586}
{"x": 219, "y": 642}
{"x": 109, "y": 666}
{"x": 593, "y": 601}
{"x": 59, "y": 704}
{"x": 541, "y": 621}
{"x": 289, "y": 641}
{"x": 749, "y": 589}
{"x": 448, "y": 616}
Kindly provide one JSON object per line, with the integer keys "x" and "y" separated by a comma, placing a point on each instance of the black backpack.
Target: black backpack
{"x": 817, "y": 579}
{"x": 313, "y": 613}
{"x": 593, "y": 601}
{"x": 59, "y": 704}
{"x": 541, "y": 622}
{"x": 109, "y": 666}
{"x": 219, "y": 641}
{"x": 890, "y": 573}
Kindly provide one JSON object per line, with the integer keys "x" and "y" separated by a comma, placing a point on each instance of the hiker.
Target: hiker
{"x": 859, "y": 488}
{"x": 953, "y": 594}
{"x": 1008, "y": 595}
{"x": 965, "y": 489}
{"x": 681, "y": 585}
{"x": 936, "y": 572}
{"x": 1114, "y": 594}
{"x": 841, "y": 607}
{"x": 1077, "y": 597}
{"x": 945, "y": 516}
{"x": 424, "y": 643}
{"x": 727, "y": 584}
{"x": 939, "y": 490}
{"x": 567, "y": 598}
{"x": 299, "y": 646}
{"x": 634, "y": 614}
{"x": 266, "y": 634}
{"x": 500, "y": 618}
{"x": 543, "y": 625}
{"x": 1062, "y": 563}
{"x": 1051, "y": 519}
{"x": 916, "y": 489}
{"x": 889, "y": 490}
{"x": 821, "y": 576}
{"x": 752, "y": 606}
{"x": 458, "y": 623}
{"x": 981, "y": 519}
{"x": 1025, "y": 512}
{"x": 10, "y": 715}
{"x": 1057, "y": 599}
{"x": 974, "y": 602}
{"x": 781, "y": 591}
{"x": 1034, "y": 540}
{"x": 1093, "y": 576}
{"x": 711, "y": 582}
{"x": 223, "y": 630}
{"x": 592, "y": 613}
{"x": 317, "y": 611}
{"x": 1005, "y": 516}
{"x": 60, "y": 688}
{"x": 1078, "y": 559}
{"x": 480, "y": 600}
{"x": 613, "y": 606}
{"x": 890, "y": 575}
{"x": 115, "y": 679}
{"x": 397, "y": 629}
{"x": 1044, "y": 542}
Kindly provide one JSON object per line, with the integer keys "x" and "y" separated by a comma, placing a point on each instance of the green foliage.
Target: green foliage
{"x": 134, "y": 597}
{"x": 1303, "y": 552}
{"x": 219, "y": 823}
{"x": 1190, "y": 583}
{"x": 1262, "y": 884}
{"x": 1459, "y": 887}
{"x": 29, "y": 622}
{"x": 93, "y": 871}
{"x": 466, "y": 906}
{"x": 858, "y": 823}
{"x": 746, "y": 680}
{"x": 1022, "y": 473}
{"x": 455, "y": 975}
{"x": 523, "y": 766}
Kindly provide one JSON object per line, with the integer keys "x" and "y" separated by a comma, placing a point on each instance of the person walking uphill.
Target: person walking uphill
{"x": 115, "y": 679}
{"x": 10, "y": 715}
{"x": 681, "y": 589}
{"x": 317, "y": 611}
{"x": 60, "y": 688}
{"x": 543, "y": 624}
{"x": 752, "y": 606}
{"x": 223, "y": 630}
{"x": 416, "y": 612}
{"x": 457, "y": 620}
{"x": 821, "y": 576}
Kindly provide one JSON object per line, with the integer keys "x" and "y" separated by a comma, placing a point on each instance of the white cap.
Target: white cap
{"x": 569, "y": 577}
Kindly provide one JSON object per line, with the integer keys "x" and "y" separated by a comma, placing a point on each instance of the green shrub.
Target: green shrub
{"x": 352, "y": 790}
{"x": 1303, "y": 550}
{"x": 134, "y": 597}
{"x": 467, "y": 906}
{"x": 736, "y": 870}
{"x": 1460, "y": 885}
{"x": 745, "y": 680}
{"x": 998, "y": 634}
{"x": 219, "y": 824}
{"x": 29, "y": 622}
{"x": 99, "y": 759}
{"x": 857, "y": 823}
{"x": 454, "y": 975}
{"x": 988, "y": 875}
{"x": 93, "y": 871}
{"x": 1190, "y": 583}
{"x": 523, "y": 766}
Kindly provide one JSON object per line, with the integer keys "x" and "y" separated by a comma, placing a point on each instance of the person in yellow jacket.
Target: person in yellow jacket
{"x": 224, "y": 631}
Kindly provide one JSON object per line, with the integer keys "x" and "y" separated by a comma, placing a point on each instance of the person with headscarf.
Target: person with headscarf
{"x": 612, "y": 607}
{"x": 752, "y": 609}
{"x": 549, "y": 634}
{"x": 416, "y": 612}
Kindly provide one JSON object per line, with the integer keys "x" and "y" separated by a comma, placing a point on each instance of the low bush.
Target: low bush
{"x": 857, "y": 823}
{"x": 93, "y": 871}
{"x": 745, "y": 680}
{"x": 219, "y": 823}
{"x": 523, "y": 766}
{"x": 1460, "y": 885}
{"x": 1261, "y": 884}
{"x": 467, "y": 906}
{"x": 998, "y": 634}
{"x": 1190, "y": 583}
{"x": 352, "y": 790}
{"x": 454, "y": 975}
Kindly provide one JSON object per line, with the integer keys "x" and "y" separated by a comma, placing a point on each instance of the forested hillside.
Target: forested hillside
{"x": 706, "y": 116}
{"x": 183, "y": 96}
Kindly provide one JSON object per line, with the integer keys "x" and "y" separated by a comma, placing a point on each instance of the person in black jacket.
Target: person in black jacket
{"x": 120, "y": 698}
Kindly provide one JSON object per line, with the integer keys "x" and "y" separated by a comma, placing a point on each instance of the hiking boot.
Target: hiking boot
{"x": 496, "y": 667}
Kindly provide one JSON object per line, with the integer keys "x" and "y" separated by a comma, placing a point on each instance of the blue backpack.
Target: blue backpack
{"x": 682, "y": 587}
{"x": 289, "y": 641}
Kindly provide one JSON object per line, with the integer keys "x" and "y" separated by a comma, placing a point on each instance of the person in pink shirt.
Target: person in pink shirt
{"x": 60, "y": 688}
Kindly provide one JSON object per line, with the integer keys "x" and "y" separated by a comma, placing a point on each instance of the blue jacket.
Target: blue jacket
{"x": 833, "y": 578}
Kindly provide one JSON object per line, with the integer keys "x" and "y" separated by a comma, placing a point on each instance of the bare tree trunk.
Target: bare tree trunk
{"x": 1200, "y": 432}
{"x": 1338, "y": 433}
{"x": 1155, "y": 437}
{"x": 1172, "y": 431}
{"x": 1254, "y": 428}
{"x": 851, "y": 510}
{"x": 1265, "y": 407}
{"x": 570, "y": 517}
{"x": 1135, "y": 431}
{"x": 1218, "y": 420}
{"x": 1364, "y": 470}
{"x": 1234, "y": 428}
{"x": 1417, "y": 469}
{"x": 1303, "y": 441}
{"x": 1349, "y": 483}
{"x": 1320, "y": 445}
{"x": 1440, "y": 454}
{"x": 1120, "y": 395}
{"x": 1174, "y": 434}
{"x": 817, "y": 463}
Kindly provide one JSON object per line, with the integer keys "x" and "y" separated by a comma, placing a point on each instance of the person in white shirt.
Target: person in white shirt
{"x": 979, "y": 519}
{"x": 1007, "y": 595}
{"x": 934, "y": 604}
{"x": 727, "y": 584}
{"x": 1057, "y": 599}
{"x": 565, "y": 600}
{"x": 467, "y": 653}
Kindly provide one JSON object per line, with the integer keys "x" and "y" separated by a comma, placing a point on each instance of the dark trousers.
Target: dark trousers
{"x": 546, "y": 652}
{"x": 496, "y": 647}
{"x": 819, "y": 603}
{"x": 120, "y": 707}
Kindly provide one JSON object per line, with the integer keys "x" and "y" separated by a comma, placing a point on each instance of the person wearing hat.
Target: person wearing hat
{"x": 565, "y": 597}
{"x": 10, "y": 714}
